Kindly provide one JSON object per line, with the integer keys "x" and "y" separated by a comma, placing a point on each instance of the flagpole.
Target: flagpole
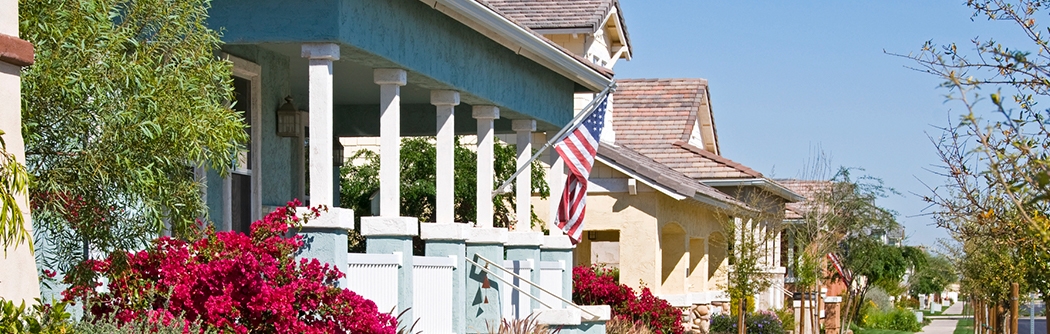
{"x": 586, "y": 111}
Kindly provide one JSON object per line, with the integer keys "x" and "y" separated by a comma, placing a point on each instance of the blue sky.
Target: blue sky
{"x": 790, "y": 79}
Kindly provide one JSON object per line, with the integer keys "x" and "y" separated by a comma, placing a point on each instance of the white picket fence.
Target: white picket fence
{"x": 432, "y": 294}
{"x": 374, "y": 276}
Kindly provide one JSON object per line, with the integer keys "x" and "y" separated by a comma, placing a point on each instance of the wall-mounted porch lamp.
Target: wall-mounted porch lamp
{"x": 288, "y": 120}
{"x": 337, "y": 152}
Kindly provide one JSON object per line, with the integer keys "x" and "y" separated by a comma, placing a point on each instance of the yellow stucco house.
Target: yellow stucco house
{"x": 661, "y": 193}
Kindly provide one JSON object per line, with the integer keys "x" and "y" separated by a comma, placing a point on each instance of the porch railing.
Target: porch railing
{"x": 498, "y": 277}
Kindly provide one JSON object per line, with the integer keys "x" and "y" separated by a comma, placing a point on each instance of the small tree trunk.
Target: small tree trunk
{"x": 1013, "y": 308}
{"x": 1046, "y": 311}
{"x": 816, "y": 312}
{"x": 742, "y": 327}
{"x": 978, "y": 316}
{"x": 973, "y": 307}
{"x": 802, "y": 318}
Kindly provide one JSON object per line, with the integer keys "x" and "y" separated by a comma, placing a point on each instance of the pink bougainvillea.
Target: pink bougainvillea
{"x": 598, "y": 286}
{"x": 230, "y": 282}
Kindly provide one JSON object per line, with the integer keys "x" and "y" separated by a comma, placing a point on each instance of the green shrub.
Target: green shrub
{"x": 762, "y": 322}
{"x": 787, "y": 317}
{"x": 55, "y": 319}
{"x": 898, "y": 319}
{"x": 38, "y": 319}
{"x": 880, "y": 298}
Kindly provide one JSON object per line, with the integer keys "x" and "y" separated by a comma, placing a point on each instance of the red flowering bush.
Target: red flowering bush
{"x": 229, "y": 282}
{"x": 598, "y": 286}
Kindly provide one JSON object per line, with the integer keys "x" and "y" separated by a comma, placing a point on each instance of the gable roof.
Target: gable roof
{"x": 563, "y": 16}
{"x": 556, "y": 14}
{"x": 655, "y": 117}
{"x": 608, "y": 73}
{"x": 809, "y": 189}
{"x": 485, "y": 19}
{"x": 662, "y": 177}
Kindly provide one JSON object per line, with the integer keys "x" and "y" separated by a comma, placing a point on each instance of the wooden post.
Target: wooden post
{"x": 1013, "y": 308}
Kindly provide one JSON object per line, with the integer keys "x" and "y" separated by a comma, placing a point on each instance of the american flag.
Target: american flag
{"x": 846, "y": 276}
{"x": 578, "y": 150}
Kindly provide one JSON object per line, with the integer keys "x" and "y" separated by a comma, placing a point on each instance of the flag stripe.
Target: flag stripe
{"x": 578, "y": 149}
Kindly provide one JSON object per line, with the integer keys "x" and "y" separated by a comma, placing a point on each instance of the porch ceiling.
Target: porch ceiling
{"x": 355, "y": 92}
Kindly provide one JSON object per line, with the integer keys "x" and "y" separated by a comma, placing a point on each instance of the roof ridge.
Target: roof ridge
{"x": 718, "y": 158}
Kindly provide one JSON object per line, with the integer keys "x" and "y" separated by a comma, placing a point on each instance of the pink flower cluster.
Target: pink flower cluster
{"x": 230, "y": 282}
{"x": 598, "y": 286}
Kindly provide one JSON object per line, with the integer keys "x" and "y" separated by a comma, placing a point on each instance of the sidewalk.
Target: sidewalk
{"x": 940, "y": 326}
{"x": 945, "y": 324}
{"x": 956, "y": 308}
{"x": 953, "y": 312}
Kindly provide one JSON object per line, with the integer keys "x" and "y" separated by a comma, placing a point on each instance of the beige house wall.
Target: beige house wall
{"x": 18, "y": 278}
{"x": 663, "y": 242}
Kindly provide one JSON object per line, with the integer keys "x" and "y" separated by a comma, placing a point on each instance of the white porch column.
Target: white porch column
{"x": 556, "y": 182}
{"x": 321, "y": 56}
{"x": 486, "y": 157}
{"x": 523, "y": 185}
{"x": 446, "y": 102}
{"x": 776, "y": 249}
{"x": 390, "y": 81}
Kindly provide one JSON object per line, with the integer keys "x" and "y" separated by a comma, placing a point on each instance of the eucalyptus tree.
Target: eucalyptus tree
{"x": 14, "y": 182}
{"x": 126, "y": 97}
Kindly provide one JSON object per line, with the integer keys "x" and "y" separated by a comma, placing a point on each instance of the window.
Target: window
{"x": 242, "y": 203}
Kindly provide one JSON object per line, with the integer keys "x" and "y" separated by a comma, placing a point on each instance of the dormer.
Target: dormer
{"x": 591, "y": 29}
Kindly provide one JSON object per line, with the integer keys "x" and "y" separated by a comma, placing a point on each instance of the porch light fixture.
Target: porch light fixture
{"x": 288, "y": 120}
{"x": 337, "y": 152}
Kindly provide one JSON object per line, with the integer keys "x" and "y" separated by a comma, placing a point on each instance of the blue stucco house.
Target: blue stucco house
{"x": 308, "y": 72}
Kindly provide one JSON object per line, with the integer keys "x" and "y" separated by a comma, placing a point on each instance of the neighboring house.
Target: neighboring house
{"x": 18, "y": 279}
{"x": 795, "y": 216}
{"x": 658, "y": 189}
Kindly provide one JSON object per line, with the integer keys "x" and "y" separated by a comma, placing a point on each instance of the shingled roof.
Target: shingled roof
{"x": 497, "y": 9}
{"x": 809, "y": 189}
{"x": 556, "y": 14}
{"x": 656, "y": 116}
{"x": 666, "y": 176}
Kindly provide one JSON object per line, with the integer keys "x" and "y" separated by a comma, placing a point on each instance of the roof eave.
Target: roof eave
{"x": 645, "y": 180}
{"x": 484, "y": 20}
{"x": 674, "y": 194}
{"x": 762, "y": 183}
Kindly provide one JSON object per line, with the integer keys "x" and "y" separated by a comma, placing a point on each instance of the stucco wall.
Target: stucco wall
{"x": 647, "y": 254}
{"x": 438, "y": 51}
{"x": 18, "y": 278}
